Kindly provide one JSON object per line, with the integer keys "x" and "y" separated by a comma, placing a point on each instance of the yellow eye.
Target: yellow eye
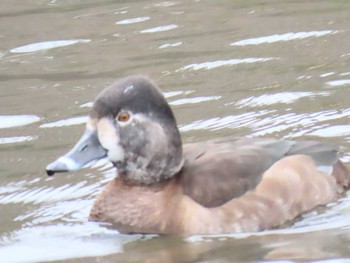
{"x": 123, "y": 117}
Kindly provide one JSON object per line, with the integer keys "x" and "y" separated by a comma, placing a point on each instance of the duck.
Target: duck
{"x": 223, "y": 185}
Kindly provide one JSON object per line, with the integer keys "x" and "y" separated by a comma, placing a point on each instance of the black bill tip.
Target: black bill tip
{"x": 50, "y": 172}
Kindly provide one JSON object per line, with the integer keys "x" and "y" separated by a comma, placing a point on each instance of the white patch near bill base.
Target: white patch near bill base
{"x": 115, "y": 153}
{"x": 91, "y": 124}
{"x": 109, "y": 140}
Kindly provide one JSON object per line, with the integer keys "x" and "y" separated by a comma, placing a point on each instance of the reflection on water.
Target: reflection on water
{"x": 218, "y": 123}
{"x": 276, "y": 69}
{"x": 16, "y": 139}
{"x": 47, "y": 45}
{"x": 133, "y": 20}
{"x": 283, "y": 97}
{"x": 8, "y": 121}
{"x": 221, "y": 63}
{"x": 340, "y": 82}
{"x": 176, "y": 44}
{"x": 67, "y": 122}
{"x": 62, "y": 241}
{"x": 283, "y": 37}
{"x": 193, "y": 100}
{"x": 159, "y": 29}
{"x": 332, "y": 131}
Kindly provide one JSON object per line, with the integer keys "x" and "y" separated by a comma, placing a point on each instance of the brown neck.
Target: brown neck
{"x": 135, "y": 208}
{"x": 127, "y": 181}
{"x": 140, "y": 177}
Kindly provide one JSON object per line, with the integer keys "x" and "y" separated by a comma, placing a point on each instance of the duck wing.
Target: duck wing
{"x": 219, "y": 170}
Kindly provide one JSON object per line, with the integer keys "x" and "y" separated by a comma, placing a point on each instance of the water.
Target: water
{"x": 258, "y": 68}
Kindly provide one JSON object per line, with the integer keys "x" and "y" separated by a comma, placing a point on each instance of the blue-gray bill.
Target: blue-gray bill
{"x": 86, "y": 150}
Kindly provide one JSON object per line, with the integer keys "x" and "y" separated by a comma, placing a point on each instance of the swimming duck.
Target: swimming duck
{"x": 224, "y": 185}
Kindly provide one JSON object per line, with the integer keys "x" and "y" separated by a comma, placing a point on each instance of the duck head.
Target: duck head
{"x": 132, "y": 124}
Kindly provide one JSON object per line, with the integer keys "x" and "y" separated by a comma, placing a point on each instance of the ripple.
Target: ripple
{"x": 159, "y": 29}
{"x": 327, "y": 74}
{"x": 66, "y": 122}
{"x": 194, "y": 100}
{"x": 6, "y": 140}
{"x": 332, "y": 131}
{"x": 307, "y": 122}
{"x": 223, "y": 63}
{"x": 16, "y": 186}
{"x": 167, "y": 94}
{"x": 68, "y": 202}
{"x": 133, "y": 20}
{"x": 176, "y": 44}
{"x": 87, "y": 105}
{"x": 122, "y": 11}
{"x": 232, "y": 121}
{"x": 266, "y": 122}
{"x": 85, "y": 240}
{"x": 46, "y": 194}
{"x": 338, "y": 83}
{"x": 69, "y": 211}
{"x": 40, "y": 46}
{"x": 164, "y": 4}
{"x": 170, "y": 94}
{"x": 8, "y": 121}
{"x": 27, "y": 192}
{"x": 282, "y": 37}
{"x": 282, "y": 97}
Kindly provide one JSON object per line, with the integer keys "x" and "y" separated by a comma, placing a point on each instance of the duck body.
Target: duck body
{"x": 216, "y": 192}
{"x": 223, "y": 185}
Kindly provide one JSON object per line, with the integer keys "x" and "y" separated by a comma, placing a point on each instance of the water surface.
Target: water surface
{"x": 246, "y": 68}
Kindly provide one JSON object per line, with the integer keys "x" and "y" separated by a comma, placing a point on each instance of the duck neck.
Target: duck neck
{"x": 130, "y": 174}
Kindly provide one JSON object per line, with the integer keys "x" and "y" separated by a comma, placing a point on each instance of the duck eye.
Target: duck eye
{"x": 123, "y": 117}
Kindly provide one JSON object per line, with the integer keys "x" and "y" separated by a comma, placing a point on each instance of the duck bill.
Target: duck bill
{"x": 87, "y": 149}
